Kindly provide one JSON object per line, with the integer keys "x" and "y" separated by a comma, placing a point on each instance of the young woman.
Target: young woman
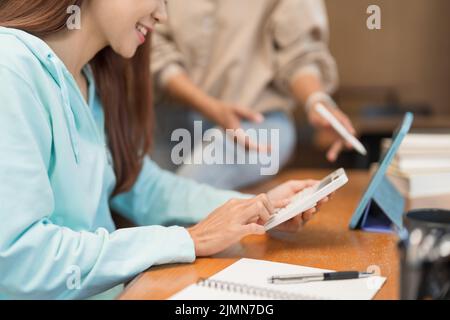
{"x": 75, "y": 127}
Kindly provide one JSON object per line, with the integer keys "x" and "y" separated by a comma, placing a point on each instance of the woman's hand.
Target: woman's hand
{"x": 229, "y": 116}
{"x": 320, "y": 123}
{"x": 231, "y": 222}
{"x": 284, "y": 193}
{"x": 225, "y": 115}
{"x": 236, "y": 219}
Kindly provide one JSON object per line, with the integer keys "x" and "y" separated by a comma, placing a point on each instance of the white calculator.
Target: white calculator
{"x": 308, "y": 198}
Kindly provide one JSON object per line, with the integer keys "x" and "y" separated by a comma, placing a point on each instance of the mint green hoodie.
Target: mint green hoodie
{"x": 57, "y": 238}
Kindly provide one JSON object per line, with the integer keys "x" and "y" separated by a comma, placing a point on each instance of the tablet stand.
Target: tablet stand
{"x": 384, "y": 210}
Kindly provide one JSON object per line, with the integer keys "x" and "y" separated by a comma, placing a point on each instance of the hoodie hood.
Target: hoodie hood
{"x": 58, "y": 71}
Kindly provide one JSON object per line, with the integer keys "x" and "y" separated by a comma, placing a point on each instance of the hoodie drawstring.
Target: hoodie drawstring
{"x": 67, "y": 110}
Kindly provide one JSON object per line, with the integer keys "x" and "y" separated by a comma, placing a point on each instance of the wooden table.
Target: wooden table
{"x": 326, "y": 242}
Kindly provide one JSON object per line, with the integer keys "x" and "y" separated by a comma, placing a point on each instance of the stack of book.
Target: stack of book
{"x": 421, "y": 168}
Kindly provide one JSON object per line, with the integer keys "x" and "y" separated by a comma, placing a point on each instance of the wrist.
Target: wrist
{"x": 193, "y": 234}
{"x": 319, "y": 97}
{"x": 207, "y": 104}
{"x": 211, "y": 108}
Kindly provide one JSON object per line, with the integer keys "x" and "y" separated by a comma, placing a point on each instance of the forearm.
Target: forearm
{"x": 161, "y": 198}
{"x": 304, "y": 85}
{"x": 184, "y": 90}
{"x": 52, "y": 262}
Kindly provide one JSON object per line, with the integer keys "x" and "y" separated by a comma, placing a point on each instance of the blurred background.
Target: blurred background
{"x": 405, "y": 66}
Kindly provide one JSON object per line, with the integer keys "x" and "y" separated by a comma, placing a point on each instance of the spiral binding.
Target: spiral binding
{"x": 252, "y": 290}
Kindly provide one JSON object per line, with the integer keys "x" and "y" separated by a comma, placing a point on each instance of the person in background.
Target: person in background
{"x": 241, "y": 64}
{"x": 75, "y": 128}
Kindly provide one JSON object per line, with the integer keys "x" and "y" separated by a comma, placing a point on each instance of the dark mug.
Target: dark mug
{"x": 425, "y": 255}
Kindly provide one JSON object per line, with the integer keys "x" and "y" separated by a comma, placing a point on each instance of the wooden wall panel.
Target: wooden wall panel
{"x": 411, "y": 53}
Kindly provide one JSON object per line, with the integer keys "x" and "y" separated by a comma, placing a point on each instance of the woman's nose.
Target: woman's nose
{"x": 160, "y": 15}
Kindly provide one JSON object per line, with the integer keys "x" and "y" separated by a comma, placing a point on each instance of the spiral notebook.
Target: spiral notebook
{"x": 247, "y": 280}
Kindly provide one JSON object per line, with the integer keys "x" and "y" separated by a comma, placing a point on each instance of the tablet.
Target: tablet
{"x": 361, "y": 211}
{"x": 308, "y": 198}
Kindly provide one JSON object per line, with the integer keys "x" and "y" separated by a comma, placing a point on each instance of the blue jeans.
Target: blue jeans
{"x": 223, "y": 176}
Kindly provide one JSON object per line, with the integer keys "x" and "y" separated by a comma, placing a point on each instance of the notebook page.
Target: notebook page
{"x": 256, "y": 272}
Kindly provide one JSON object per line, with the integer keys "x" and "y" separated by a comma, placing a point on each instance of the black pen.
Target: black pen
{"x": 327, "y": 276}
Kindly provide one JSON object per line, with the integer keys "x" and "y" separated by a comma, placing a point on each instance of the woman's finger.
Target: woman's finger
{"x": 266, "y": 202}
{"x": 245, "y": 141}
{"x": 292, "y": 225}
{"x": 298, "y": 185}
{"x": 252, "y": 228}
{"x": 281, "y": 203}
{"x": 335, "y": 150}
{"x": 256, "y": 209}
{"x": 297, "y": 221}
{"x": 321, "y": 202}
{"x": 344, "y": 119}
{"x": 307, "y": 215}
{"x": 249, "y": 114}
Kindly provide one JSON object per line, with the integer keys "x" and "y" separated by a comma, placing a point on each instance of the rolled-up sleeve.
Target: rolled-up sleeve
{"x": 300, "y": 31}
{"x": 167, "y": 60}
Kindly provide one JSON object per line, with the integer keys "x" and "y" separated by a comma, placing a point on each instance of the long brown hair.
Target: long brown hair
{"x": 123, "y": 84}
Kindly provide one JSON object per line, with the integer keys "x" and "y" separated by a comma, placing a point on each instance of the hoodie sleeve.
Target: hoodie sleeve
{"x": 162, "y": 198}
{"x": 42, "y": 260}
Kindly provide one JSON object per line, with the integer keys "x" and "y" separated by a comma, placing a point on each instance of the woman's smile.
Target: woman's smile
{"x": 142, "y": 32}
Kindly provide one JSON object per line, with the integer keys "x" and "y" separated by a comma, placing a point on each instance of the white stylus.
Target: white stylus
{"x": 347, "y": 136}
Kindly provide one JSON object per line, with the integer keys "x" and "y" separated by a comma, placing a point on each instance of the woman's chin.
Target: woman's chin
{"x": 126, "y": 52}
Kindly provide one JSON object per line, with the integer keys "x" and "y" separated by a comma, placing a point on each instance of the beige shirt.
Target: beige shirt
{"x": 245, "y": 51}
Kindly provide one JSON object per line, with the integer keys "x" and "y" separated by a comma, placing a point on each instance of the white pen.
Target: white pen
{"x": 340, "y": 129}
